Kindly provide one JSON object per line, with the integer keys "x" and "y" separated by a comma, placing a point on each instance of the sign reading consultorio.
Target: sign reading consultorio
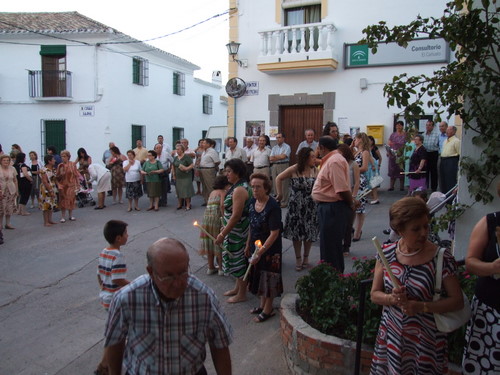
{"x": 418, "y": 51}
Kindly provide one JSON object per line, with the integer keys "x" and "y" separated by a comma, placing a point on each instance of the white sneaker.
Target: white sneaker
{"x": 211, "y": 272}
{"x": 63, "y": 220}
{"x": 220, "y": 273}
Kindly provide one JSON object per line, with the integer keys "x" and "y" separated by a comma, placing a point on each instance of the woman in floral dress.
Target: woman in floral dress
{"x": 301, "y": 222}
{"x": 362, "y": 157}
{"x": 48, "y": 190}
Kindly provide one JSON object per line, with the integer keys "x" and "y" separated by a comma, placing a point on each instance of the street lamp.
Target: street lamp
{"x": 232, "y": 49}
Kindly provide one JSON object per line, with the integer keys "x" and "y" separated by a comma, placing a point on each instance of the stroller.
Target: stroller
{"x": 83, "y": 195}
{"x": 436, "y": 202}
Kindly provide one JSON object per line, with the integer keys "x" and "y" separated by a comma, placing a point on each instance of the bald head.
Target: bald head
{"x": 166, "y": 250}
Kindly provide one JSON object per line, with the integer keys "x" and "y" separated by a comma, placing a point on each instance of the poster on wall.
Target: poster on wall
{"x": 343, "y": 124}
{"x": 255, "y": 128}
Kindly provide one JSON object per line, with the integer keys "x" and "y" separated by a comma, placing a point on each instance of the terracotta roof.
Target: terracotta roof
{"x": 54, "y": 22}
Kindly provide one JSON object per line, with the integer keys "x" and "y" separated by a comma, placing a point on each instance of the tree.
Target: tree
{"x": 469, "y": 86}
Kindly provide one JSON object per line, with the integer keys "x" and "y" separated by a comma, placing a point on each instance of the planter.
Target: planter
{"x": 308, "y": 351}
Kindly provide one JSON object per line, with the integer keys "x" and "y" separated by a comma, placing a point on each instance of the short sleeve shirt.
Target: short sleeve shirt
{"x": 111, "y": 267}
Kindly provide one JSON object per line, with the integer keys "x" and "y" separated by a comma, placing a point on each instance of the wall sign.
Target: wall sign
{"x": 252, "y": 88}
{"x": 87, "y": 111}
{"x": 418, "y": 51}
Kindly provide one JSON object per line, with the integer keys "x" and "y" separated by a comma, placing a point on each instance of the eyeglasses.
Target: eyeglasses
{"x": 170, "y": 279}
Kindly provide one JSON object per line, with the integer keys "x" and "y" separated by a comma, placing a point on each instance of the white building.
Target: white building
{"x": 296, "y": 57}
{"x": 69, "y": 81}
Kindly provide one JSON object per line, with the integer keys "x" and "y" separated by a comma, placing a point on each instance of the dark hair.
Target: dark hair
{"x": 153, "y": 153}
{"x": 113, "y": 229}
{"x": 422, "y": 194}
{"x": 16, "y": 146}
{"x": 400, "y": 123}
{"x": 282, "y": 134}
{"x": 210, "y": 141}
{"x": 131, "y": 151}
{"x": 220, "y": 182}
{"x": 349, "y": 141}
{"x": 52, "y": 149}
{"x": 346, "y": 152}
{"x": 302, "y": 158}
{"x": 20, "y": 157}
{"x": 115, "y": 149}
{"x": 420, "y": 136}
{"x": 81, "y": 151}
{"x": 372, "y": 139}
{"x": 267, "y": 182}
{"x": 329, "y": 124}
{"x": 47, "y": 158}
{"x": 233, "y": 138}
{"x": 237, "y": 166}
{"x": 268, "y": 140}
{"x": 406, "y": 210}
{"x": 328, "y": 142}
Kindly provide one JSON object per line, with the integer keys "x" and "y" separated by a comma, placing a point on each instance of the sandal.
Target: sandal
{"x": 298, "y": 267}
{"x": 150, "y": 209}
{"x": 262, "y": 317}
{"x": 256, "y": 310}
{"x": 305, "y": 263}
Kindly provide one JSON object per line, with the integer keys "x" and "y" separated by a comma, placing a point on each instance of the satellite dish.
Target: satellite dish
{"x": 236, "y": 87}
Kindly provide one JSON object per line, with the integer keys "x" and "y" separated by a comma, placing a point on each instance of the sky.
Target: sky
{"x": 203, "y": 45}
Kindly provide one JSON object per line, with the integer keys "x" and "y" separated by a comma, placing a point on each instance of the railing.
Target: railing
{"x": 361, "y": 314}
{"x": 50, "y": 83}
{"x": 307, "y": 38}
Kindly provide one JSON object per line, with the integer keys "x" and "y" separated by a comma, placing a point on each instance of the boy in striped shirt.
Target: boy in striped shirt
{"x": 112, "y": 271}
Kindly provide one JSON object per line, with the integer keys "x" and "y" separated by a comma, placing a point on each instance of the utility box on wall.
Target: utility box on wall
{"x": 377, "y": 132}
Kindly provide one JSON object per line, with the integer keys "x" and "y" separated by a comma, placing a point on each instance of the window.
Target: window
{"x": 179, "y": 83}
{"x": 54, "y": 74}
{"x": 177, "y": 135}
{"x": 140, "y": 71}
{"x": 53, "y": 134}
{"x": 138, "y": 132}
{"x": 300, "y": 16}
{"x": 207, "y": 104}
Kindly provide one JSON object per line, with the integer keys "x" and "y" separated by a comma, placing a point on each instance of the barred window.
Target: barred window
{"x": 207, "y": 104}
{"x": 179, "y": 83}
{"x": 140, "y": 71}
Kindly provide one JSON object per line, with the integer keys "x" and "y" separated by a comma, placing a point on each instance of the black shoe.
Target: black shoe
{"x": 386, "y": 231}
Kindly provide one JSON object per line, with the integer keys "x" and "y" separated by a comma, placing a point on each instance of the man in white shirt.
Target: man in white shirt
{"x": 235, "y": 152}
{"x": 249, "y": 148}
{"x": 260, "y": 158}
{"x": 309, "y": 141}
{"x": 166, "y": 162}
{"x": 208, "y": 167}
{"x": 164, "y": 146}
{"x": 280, "y": 158}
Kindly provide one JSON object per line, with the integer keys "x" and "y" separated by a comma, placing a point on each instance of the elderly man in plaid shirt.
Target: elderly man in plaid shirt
{"x": 160, "y": 323}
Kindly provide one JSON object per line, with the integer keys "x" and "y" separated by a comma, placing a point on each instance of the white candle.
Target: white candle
{"x": 394, "y": 280}
{"x": 258, "y": 245}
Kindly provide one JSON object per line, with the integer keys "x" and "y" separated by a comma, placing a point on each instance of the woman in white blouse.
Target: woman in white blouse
{"x": 133, "y": 189}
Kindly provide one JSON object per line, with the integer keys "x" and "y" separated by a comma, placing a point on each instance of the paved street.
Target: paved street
{"x": 50, "y": 317}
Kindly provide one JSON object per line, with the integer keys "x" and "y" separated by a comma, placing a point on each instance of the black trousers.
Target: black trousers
{"x": 432, "y": 170}
{"x": 448, "y": 173}
{"x": 333, "y": 220}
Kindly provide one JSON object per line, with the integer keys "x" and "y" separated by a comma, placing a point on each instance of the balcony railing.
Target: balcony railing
{"x": 314, "y": 40}
{"x": 50, "y": 84}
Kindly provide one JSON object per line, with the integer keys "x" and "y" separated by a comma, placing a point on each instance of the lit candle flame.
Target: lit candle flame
{"x": 195, "y": 223}
{"x": 258, "y": 244}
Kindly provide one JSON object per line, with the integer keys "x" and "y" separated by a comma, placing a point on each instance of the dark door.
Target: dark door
{"x": 54, "y": 76}
{"x": 295, "y": 120}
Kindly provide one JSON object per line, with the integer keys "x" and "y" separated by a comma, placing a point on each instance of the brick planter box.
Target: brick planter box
{"x": 308, "y": 351}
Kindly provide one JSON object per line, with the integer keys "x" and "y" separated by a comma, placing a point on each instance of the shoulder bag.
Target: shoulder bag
{"x": 449, "y": 321}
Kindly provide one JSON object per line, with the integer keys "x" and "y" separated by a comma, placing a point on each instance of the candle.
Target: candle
{"x": 204, "y": 231}
{"x": 258, "y": 245}
{"x": 394, "y": 280}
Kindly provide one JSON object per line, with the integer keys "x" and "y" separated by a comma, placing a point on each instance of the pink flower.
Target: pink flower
{"x": 354, "y": 258}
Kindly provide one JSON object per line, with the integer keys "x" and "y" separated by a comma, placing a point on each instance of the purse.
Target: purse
{"x": 376, "y": 181}
{"x": 449, "y": 321}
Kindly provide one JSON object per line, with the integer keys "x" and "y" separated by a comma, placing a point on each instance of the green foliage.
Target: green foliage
{"x": 468, "y": 86}
{"x": 329, "y": 302}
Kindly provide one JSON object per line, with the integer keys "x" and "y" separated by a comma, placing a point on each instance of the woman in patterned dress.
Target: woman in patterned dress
{"x": 115, "y": 165}
{"x": 301, "y": 222}
{"x": 482, "y": 339}
{"x": 396, "y": 141}
{"x": 235, "y": 228}
{"x": 83, "y": 160}
{"x": 362, "y": 157}
{"x": 48, "y": 190}
{"x": 182, "y": 174}
{"x": 408, "y": 341}
{"x": 212, "y": 222}
{"x": 8, "y": 190}
{"x": 68, "y": 183}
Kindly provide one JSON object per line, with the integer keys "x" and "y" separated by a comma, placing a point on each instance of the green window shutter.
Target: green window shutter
{"x": 136, "y": 71}
{"x": 53, "y": 50}
{"x": 55, "y": 134}
{"x": 136, "y": 134}
{"x": 176, "y": 83}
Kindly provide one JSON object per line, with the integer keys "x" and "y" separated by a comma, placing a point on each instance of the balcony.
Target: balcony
{"x": 298, "y": 48}
{"x": 50, "y": 85}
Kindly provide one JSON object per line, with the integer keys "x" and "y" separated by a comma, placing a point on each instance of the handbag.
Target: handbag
{"x": 449, "y": 321}
{"x": 376, "y": 180}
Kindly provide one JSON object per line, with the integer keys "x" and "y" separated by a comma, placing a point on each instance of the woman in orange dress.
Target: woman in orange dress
{"x": 68, "y": 184}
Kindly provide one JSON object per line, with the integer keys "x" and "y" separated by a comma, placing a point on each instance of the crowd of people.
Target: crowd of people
{"x": 325, "y": 193}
